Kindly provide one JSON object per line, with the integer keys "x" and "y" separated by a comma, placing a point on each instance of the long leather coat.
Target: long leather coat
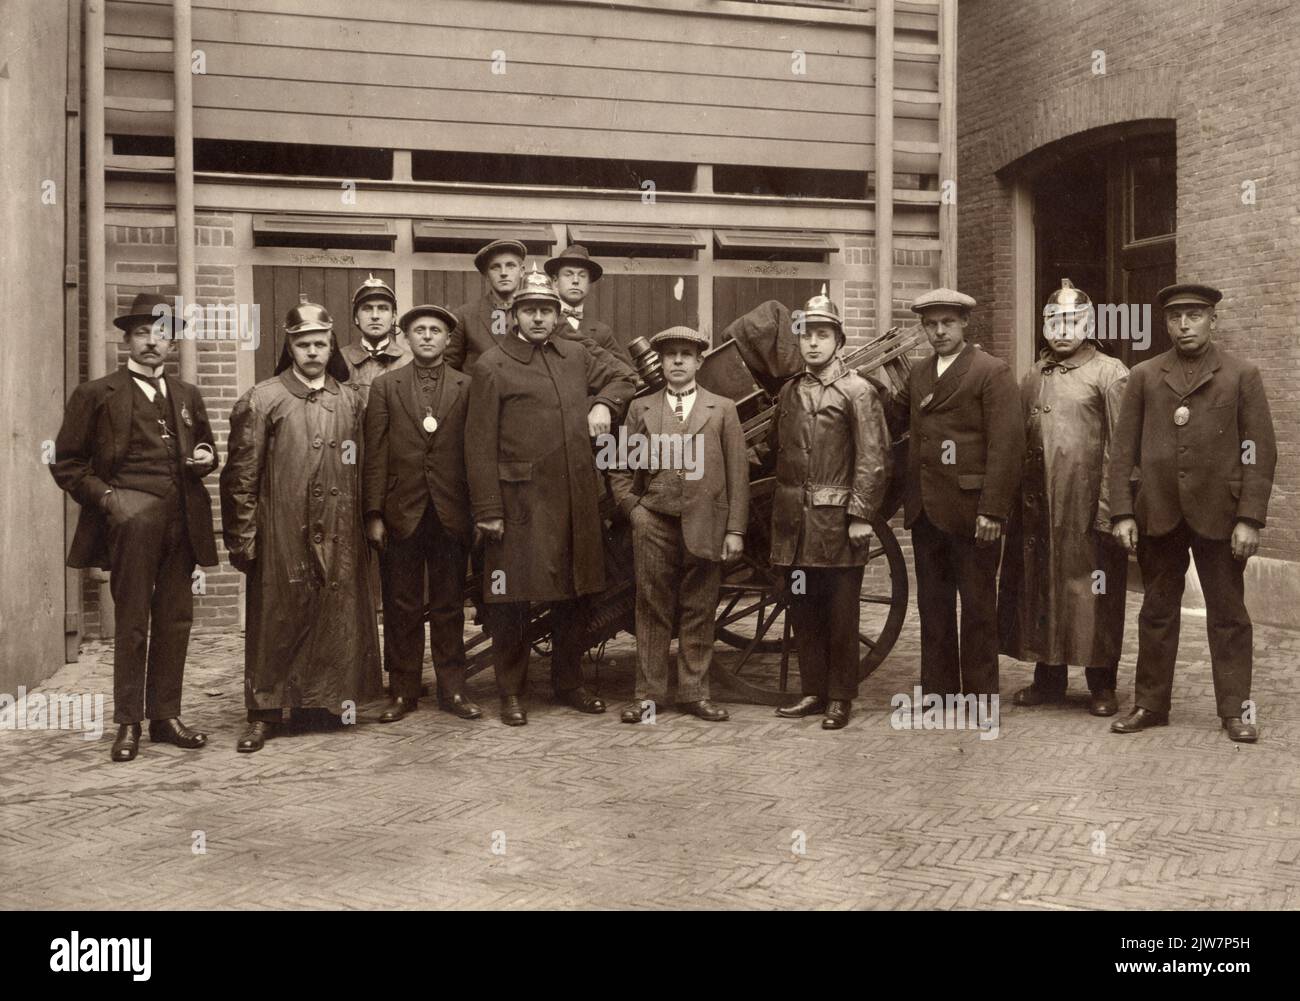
{"x": 1053, "y": 606}
{"x": 833, "y": 462}
{"x": 291, "y": 505}
{"x": 530, "y": 463}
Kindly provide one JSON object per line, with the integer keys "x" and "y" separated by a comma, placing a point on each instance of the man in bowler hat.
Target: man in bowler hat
{"x": 574, "y": 273}
{"x": 133, "y": 450}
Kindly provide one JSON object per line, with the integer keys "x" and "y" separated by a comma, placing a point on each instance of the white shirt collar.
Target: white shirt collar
{"x": 139, "y": 369}
{"x": 685, "y": 389}
{"x": 316, "y": 383}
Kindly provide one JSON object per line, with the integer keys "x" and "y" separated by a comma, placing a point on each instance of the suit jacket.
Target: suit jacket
{"x": 597, "y": 333}
{"x": 975, "y": 406}
{"x": 474, "y": 334}
{"x": 718, "y": 501}
{"x": 406, "y": 468}
{"x": 1198, "y": 471}
{"x": 92, "y": 445}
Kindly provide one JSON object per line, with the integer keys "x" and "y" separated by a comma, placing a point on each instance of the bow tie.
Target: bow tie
{"x": 683, "y": 394}
{"x": 572, "y": 311}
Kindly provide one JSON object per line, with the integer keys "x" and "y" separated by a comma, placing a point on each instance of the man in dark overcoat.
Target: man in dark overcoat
{"x": 1191, "y": 469}
{"x": 963, "y": 470}
{"x": 535, "y": 491}
{"x": 133, "y": 450}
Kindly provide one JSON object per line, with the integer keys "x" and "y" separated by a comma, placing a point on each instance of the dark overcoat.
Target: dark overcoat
{"x": 530, "y": 463}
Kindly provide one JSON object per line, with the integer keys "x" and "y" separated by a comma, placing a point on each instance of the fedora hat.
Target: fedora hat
{"x": 575, "y": 256}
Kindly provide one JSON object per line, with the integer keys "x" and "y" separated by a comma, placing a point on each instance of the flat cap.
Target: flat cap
{"x": 680, "y": 334}
{"x": 484, "y": 257}
{"x": 428, "y": 309}
{"x": 1188, "y": 292}
{"x": 942, "y": 297}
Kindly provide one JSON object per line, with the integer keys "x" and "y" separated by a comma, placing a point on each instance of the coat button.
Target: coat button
{"x": 316, "y": 443}
{"x": 336, "y": 538}
{"x": 334, "y": 585}
{"x": 1033, "y": 410}
{"x": 317, "y": 491}
{"x": 318, "y": 538}
{"x": 333, "y": 443}
{"x": 334, "y": 491}
{"x": 1047, "y": 409}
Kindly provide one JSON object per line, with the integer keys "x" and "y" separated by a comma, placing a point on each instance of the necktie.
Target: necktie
{"x": 149, "y": 380}
{"x": 678, "y": 409}
{"x": 573, "y": 315}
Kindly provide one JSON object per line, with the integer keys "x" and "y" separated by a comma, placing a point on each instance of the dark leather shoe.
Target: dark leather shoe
{"x": 1103, "y": 703}
{"x": 460, "y": 706}
{"x": 636, "y": 711}
{"x": 173, "y": 731}
{"x": 837, "y": 714}
{"x": 809, "y": 705}
{"x": 1242, "y": 733}
{"x": 1032, "y": 695}
{"x": 512, "y": 711}
{"x": 127, "y": 744}
{"x": 255, "y": 736}
{"x": 397, "y": 708}
{"x": 705, "y": 709}
{"x": 1139, "y": 719}
{"x": 582, "y": 700}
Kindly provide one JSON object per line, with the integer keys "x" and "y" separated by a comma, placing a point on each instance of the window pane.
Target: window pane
{"x": 1154, "y": 194}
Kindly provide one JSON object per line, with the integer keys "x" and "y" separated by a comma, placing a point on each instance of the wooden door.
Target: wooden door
{"x": 276, "y": 290}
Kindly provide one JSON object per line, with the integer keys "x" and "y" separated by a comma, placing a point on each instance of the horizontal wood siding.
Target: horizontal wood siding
{"x": 579, "y": 80}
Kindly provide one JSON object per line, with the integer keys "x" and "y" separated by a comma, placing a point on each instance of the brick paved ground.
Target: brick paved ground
{"x": 682, "y": 813}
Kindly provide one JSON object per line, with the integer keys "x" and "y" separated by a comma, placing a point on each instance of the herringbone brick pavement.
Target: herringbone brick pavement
{"x": 585, "y": 812}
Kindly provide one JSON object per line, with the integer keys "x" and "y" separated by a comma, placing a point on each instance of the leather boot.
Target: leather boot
{"x": 127, "y": 744}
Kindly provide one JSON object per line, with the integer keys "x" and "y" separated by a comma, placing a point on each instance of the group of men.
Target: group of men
{"x": 1087, "y": 463}
{"x": 472, "y": 446}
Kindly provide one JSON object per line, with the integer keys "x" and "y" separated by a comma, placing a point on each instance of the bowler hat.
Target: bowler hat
{"x": 575, "y": 256}
{"x": 149, "y": 307}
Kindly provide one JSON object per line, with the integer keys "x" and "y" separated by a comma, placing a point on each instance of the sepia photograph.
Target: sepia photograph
{"x": 651, "y": 455}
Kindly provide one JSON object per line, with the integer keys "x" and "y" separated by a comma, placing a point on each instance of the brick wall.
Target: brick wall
{"x": 1224, "y": 72}
{"x": 218, "y": 607}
